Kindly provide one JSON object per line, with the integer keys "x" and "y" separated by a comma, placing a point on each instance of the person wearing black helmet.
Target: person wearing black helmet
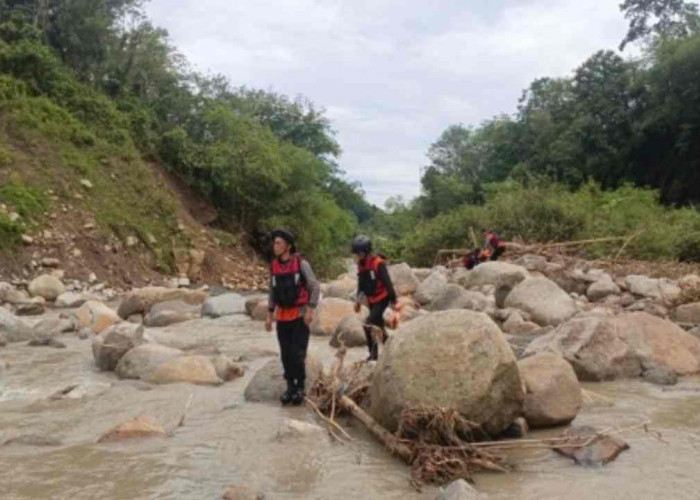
{"x": 374, "y": 284}
{"x": 294, "y": 294}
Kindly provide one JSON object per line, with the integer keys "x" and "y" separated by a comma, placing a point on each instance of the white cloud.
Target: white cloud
{"x": 392, "y": 74}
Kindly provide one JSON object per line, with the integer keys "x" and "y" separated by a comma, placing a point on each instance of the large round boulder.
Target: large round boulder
{"x": 652, "y": 288}
{"x": 14, "y": 328}
{"x": 552, "y": 391}
{"x": 598, "y": 290}
{"x": 403, "y": 279}
{"x": 141, "y": 300}
{"x": 185, "y": 369}
{"x": 268, "y": 384}
{"x": 603, "y": 347}
{"x": 227, "y": 304}
{"x": 109, "y": 346}
{"x": 46, "y": 286}
{"x": 496, "y": 273}
{"x": 140, "y": 361}
{"x": 454, "y": 359}
{"x": 543, "y": 300}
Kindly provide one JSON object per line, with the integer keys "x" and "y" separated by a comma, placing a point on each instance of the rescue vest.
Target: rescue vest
{"x": 288, "y": 284}
{"x": 368, "y": 280}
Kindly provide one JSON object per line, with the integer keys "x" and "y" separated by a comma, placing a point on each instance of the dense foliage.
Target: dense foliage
{"x": 260, "y": 158}
{"x": 613, "y": 124}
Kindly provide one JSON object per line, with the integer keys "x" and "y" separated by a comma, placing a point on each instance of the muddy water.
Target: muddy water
{"x": 225, "y": 440}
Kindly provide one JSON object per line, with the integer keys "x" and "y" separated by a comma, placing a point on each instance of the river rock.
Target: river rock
{"x": 14, "y": 328}
{"x": 141, "y": 300}
{"x": 430, "y": 289}
{"x": 543, "y": 300}
{"x": 602, "y": 289}
{"x": 242, "y": 492}
{"x": 136, "y": 428}
{"x": 328, "y": 315}
{"x": 252, "y": 303}
{"x": 46, "y": 286}
{"x": 459, "y": 276}
{"x": 190, "y": 369}
{"x": 50, "y": 327}
{"x": 660, "y": 375}
{"x": 31, "y": 308}
{"x": 110, "y": 345}
{"x": 260, "y": 312}
{"x": 472, "y": 369}
{"x": 344, "y": 288}
{"x": 95, "y": 316}
{"x": 403, "y": 279}
{"x": 496, "y": 273}
{"x": 294, "y": 429}
{"x": 226, "y": 368}
{"x": 598, "y": 452}
{"x": 11, "y": 295}
{"x": 171, "y": 312}
{"x": 143, "y": 359}
{"x": 688, "y": 313}
{"x": 458, "y": 490}
{"x": 516, "y": 325}
{"x": 224, "y": 305}
{"x": 532, "y": 262}
{"x": 608, "y": 347}
{"x": 456, "y": 297}
{"x": 658, "y": 289}
{"x": 268, "y": 384}
{"x": 72, "y": 299}
{"x": 552, "y": 391}
{"x": 350, "y": 330}
{"x": 689, "y": 281}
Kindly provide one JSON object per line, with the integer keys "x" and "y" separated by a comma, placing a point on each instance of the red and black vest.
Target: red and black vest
{"x": 368, "y": 280}
{"x": 288, "y": 284}
{"x": 494, "y": 240}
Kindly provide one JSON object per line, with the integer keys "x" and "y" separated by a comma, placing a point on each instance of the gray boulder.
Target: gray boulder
{"x": 224, "y": 305}
{"x": 543, "y": 300}
{"x": 110, "y": 345}
{"x": 14, "y": 328}
{"x": 143, "y": 359}
{"x": 472, "y": 369}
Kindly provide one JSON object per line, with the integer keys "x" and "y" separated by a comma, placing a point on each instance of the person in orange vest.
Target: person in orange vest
{"x": 374, "y": 284}
{"x": 294, "y": 294}
{"x": 493, "y": 246}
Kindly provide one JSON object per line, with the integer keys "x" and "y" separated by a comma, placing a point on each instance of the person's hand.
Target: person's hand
{"x": 268, "y": 322}
{"x": 308, "y": 316}
{"x": 358, "y": 307}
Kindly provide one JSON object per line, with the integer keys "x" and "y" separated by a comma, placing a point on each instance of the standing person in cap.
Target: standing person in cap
{"x": 374, "y": 283}
{"x": 294, "y": 293}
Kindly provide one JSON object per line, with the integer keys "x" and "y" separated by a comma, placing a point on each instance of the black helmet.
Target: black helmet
{"x": 362, "y": 243}
{"x": 286, "y": 236}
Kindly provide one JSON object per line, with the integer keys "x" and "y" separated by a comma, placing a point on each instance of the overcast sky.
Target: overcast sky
{"x": 392, "y": 75}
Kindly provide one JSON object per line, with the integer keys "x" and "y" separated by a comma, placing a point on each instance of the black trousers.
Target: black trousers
{"x": 375, "y": 318}
{"x": 293, "y": 337}
{"x": 497, "y": 253}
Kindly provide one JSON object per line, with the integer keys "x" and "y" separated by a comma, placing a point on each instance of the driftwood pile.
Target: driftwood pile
{"x": 439, "y": 444}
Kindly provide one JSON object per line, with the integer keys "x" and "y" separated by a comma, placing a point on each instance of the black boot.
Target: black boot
{"x": 371, "y": 345}
{"x": 298, "y": 394}
{"x": 288, "y": 394}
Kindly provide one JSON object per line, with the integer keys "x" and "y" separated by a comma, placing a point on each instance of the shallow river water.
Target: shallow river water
{"x": 226, "y": 440}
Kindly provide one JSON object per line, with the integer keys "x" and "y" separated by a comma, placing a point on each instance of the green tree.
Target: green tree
{"x": 659, "y": 18}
